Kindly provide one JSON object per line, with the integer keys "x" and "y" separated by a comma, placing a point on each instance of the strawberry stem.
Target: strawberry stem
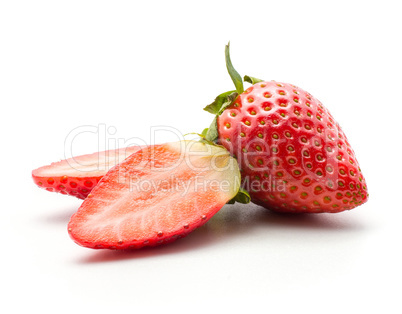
{"x": 234, "y": 75}
{"x": 210, "y": 135}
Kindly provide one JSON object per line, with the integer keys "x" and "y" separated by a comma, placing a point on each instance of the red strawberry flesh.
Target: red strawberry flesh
{"x": 77, "y": 176}
{"x": 157, "y": 195}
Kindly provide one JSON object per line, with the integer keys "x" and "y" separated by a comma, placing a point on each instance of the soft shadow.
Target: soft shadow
{"x": 195, "y": 240}
{"x": 233, "y": 221}
{"x": 322, "y": 221}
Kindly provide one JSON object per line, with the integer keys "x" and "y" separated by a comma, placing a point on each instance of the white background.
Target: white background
{"x": 137, "y": 64}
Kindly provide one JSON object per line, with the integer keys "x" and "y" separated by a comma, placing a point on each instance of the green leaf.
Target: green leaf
{"x": 241, "y": 197}
{"x": 251, "y": 79}
{"x": 221, "y": 99}
{"x": 203, "y": 138}
{"x": 212, "y": 133}
{"x": 204, "y": 132}
{"x": 217, "y": 107}
{"x": 229, "y": 100}
{"x": 195, "y": 133}
{"x": 232, "y": 201}
{"x": 236, "y": 78}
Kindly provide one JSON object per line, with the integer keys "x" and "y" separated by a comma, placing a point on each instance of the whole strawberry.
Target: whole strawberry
{"x": 293, "y": 155}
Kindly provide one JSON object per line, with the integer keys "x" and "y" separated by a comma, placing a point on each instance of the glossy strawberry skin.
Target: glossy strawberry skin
{"x": 293, "y": 155}
{"x": 77, "y": 176}
{"x": 79, "y": 187}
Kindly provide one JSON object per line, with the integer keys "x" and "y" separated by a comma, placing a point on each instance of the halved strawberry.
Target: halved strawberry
{"x": 157, "y": 195}
{"x": 77, "y": 176}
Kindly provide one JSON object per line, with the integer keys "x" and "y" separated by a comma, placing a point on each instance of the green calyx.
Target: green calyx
{"x": 226, "y": 99}
{"x": 252, "y": 80}
{"x": 221, "y": 102}
{"x": 241, "y": 197}
{"x": 203, "y": 138}
{"x": 219, "y": 105}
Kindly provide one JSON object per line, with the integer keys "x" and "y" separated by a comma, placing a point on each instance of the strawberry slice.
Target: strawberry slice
{"x": 77, "y": 176}
{"x": 157, "y": 195}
